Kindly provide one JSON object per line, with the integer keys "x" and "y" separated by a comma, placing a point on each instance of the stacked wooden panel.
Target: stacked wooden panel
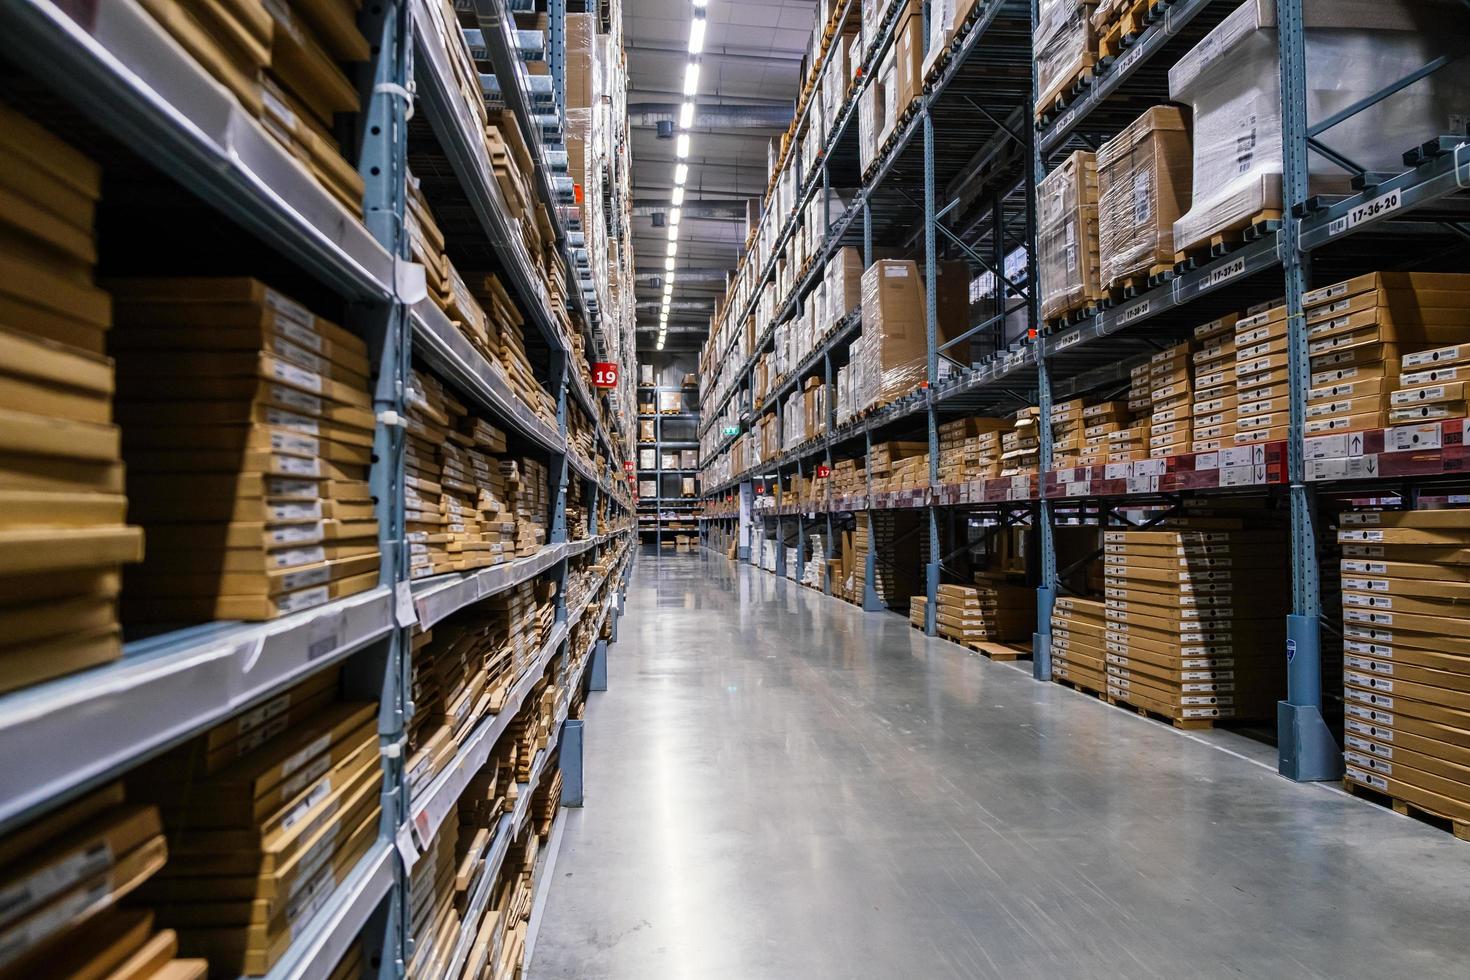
{"x": 988, "y": 612}
{"x": 1171, "y": 424}
{"x": 1387, "y": 346}
{"x": 1215, "y": 403}
{"x": 1405, "y": 589}
{"x": 265, "y": 819}
{"x": 433, "y": 892}
{"x": 247, "y": 432}
{"x": 1078, "y": 643}
{"x": 287, "y": 64}
{"x": 63, "y": 879}
{"x": 63, "y": 536}
{"x": 1194, "y": 615}
{"x": 1262, "y": 378}
{"x": 1099, "y": 423}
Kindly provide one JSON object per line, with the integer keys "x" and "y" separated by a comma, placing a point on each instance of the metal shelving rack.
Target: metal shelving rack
{"x": 670, "y": 514}
{"x": 995, "y": 162}
{"x": 124, "y": 76}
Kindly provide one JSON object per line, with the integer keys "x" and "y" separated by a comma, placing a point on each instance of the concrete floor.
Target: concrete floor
{"x": 781, "y": 786}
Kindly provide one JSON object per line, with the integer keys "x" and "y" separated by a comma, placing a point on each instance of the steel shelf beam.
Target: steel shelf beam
{"x": 60, "y": 738}
{"x": 1424, "y": 186}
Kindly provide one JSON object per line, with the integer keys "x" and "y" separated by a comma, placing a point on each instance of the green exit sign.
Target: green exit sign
{"x": 732, "y": 430}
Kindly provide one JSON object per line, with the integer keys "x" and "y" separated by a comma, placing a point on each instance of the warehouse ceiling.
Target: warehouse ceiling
{"x": 749, "y": 74}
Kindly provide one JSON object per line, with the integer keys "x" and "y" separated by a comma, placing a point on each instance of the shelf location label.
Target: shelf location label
{"x": 604, "y": 374}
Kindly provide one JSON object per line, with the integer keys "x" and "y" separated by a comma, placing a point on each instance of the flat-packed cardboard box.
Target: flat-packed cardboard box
{"x": 1067, "y": 234}
{"x": 1144, "y": 185}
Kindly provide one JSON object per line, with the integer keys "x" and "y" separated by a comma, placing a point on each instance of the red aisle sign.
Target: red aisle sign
{"x": 627, "y": 466}
{"x": 760, "y": 490}
{"x": 604, "y": 374}
{"x": 823, "y": 471}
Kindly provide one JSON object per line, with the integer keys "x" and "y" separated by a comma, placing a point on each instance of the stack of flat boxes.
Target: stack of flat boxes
{"x": 1131, "y": 442}
{"x": 526, "y": 489}
{"x": 1192, "y": 615}
{"x": 1358, "y": 332}
{"x": 1099, "y": 423}
{"x": 1263, "y": 401}
{"x": 431, "y": 903}
{"x": 1432, "y": 386}
{"x": 261, "y": 833}
{"x": 63, "y": 538}
{"x": 508, "y": 333}
{"x": 960, "y": 456}
{"x": 1020, "y": 451}
{"x": 313, "y": 45}
{"x": 304, "y": 48}
{"x": 65, "y": 876}
{"x": 1171, "y": 380}
{"x": 1215, "y": 403}
{"x": 461, "y": 672}
{"x": 247, "y": 434}
{"x": 1406, "y": 584}
{"x": 1418, "y": 323}
{"x": 894, "y": 463}
{"x": 1066, "y": 433}
{"x": 991, "y": 611}
{"x": 427, "y": 525}
{"x": 1078, "y": 644}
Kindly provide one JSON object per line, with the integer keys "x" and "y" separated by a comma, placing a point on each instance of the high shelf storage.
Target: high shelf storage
{"x": 669, "y": 501}
{"x": 352, "y": 293}
{"x": 1017, "y": 443}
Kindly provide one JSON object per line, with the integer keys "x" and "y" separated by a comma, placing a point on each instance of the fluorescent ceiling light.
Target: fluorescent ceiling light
{"x": 681, "y": 174}
{"x": 669, "y": 283}
{"x": 678, "y": 195}
{"x": 681, "y": 146}
{"x": 696, "y": 34}
{"x": 673, "y": 248}
{"x": 673, "y": 233}
{"x": 691, "y": 78}
{"x": 675, "y": 216}
{"x": 686, "y": 115}
{"x": 669, "y": 265}
{"x": 700, "y": 4}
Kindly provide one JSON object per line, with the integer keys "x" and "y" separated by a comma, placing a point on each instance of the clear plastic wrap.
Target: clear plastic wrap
{"x": 1231, "y": 81}
{"x": 1066, "y": 236}
{"x": 1065, "y": 46}
{"x": 895, "y": 346}
{"x": 1143, "y": 186}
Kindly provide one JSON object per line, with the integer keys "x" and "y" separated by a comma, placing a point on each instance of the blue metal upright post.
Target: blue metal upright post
{"x": 931, "y": 333}
{"x": 572, "y": 731}
{"x": 1046, "y": 592}
{"x": 598, "y": 668}
{"x": 1305, "y": 745}
{"x": 383, "y": 164}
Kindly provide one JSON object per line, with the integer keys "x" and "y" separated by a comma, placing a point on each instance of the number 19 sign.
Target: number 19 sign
{"x": 604, "y": 374}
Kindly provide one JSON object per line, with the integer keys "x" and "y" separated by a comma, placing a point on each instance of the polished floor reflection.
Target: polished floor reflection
{"x": 781, "y": 786}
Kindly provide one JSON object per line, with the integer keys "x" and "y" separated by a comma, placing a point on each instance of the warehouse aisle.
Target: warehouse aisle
{"x": 780, "y": 786}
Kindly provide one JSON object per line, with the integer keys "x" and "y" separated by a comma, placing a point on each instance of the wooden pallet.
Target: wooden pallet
{"x": 998, "y": 651}
{"x": 1184, "y": 724}
{"x": 1127, "y": 287}
{"x": 1073, "y": 316}
{"x": 1056, "y": 99}
{"x": 1132, "y": 21}
{"x": 1227, "y": 240}
{"x": 1080, "y": 688}
{"x": 1460, "y": 828}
